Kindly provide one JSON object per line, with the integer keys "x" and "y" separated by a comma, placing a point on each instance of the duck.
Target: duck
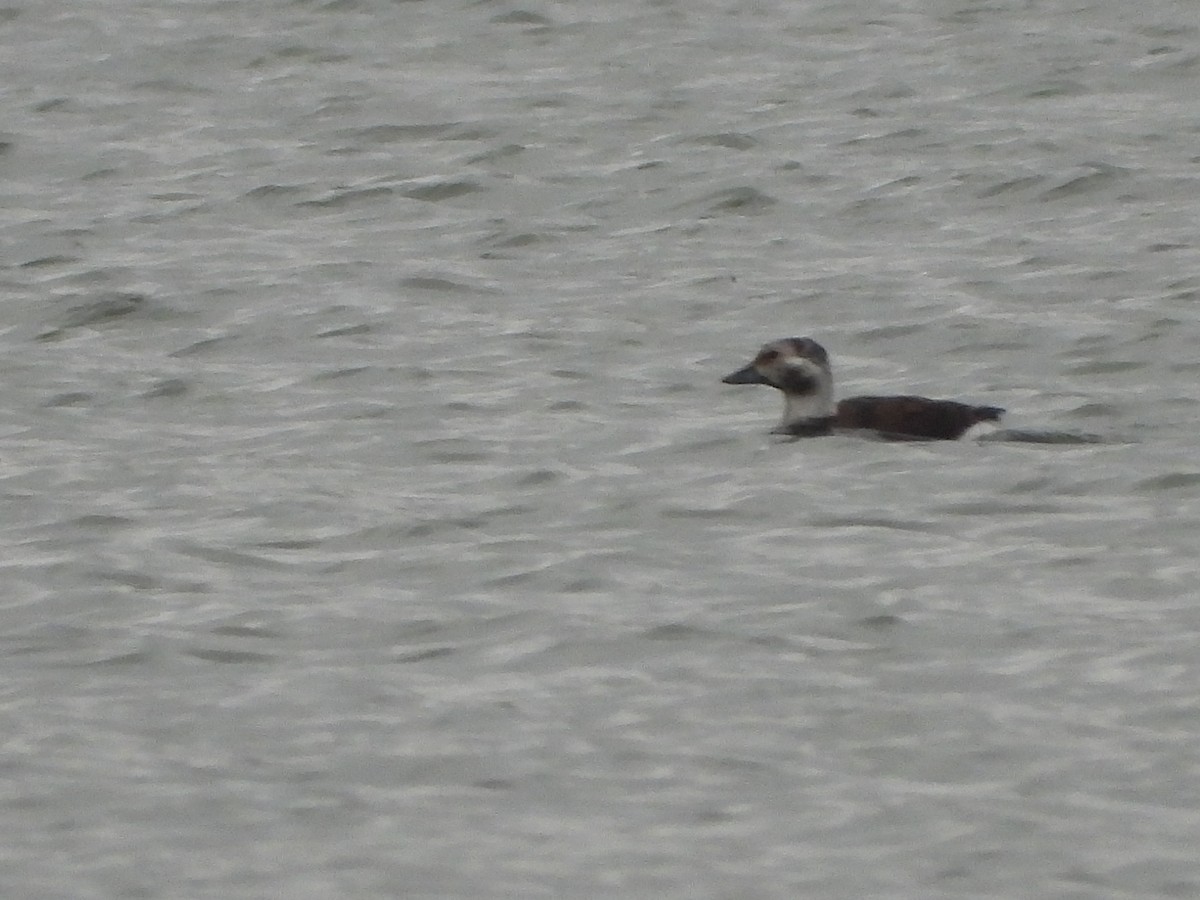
{"x": 799, "y": 368}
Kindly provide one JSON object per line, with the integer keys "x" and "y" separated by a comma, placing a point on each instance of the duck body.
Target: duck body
{"x": 799, "y": 368}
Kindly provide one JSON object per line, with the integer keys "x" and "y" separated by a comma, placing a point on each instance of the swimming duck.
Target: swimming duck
{"x": 799, "y": 367}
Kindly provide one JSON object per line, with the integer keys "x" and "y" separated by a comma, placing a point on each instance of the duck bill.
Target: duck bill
{"x": 748, "y": 375}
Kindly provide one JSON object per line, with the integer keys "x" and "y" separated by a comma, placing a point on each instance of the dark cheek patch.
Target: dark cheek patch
{"x": 796, "y": 381}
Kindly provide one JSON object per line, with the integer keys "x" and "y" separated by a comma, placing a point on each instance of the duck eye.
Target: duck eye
{"x": 767, "y": 357}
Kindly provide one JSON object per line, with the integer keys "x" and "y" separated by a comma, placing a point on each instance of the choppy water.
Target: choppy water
{"x": 377, "y": 525}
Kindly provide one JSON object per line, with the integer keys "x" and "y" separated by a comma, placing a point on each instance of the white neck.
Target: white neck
{"x": 801, "y": 408}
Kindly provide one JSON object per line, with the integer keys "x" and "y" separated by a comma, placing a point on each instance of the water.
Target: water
{"x": 378, "y": 525}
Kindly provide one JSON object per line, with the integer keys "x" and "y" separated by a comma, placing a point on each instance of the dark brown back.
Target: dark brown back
{"x": 913, "y": 417}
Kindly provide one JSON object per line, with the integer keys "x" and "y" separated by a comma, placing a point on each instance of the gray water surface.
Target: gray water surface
{"x": 377, "y": 525}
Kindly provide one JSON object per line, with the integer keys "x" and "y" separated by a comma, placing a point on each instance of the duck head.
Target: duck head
{"x": 799, "y": 368}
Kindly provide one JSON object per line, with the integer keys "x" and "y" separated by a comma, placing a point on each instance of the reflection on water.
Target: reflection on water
{"x": 1036, "y": 436}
